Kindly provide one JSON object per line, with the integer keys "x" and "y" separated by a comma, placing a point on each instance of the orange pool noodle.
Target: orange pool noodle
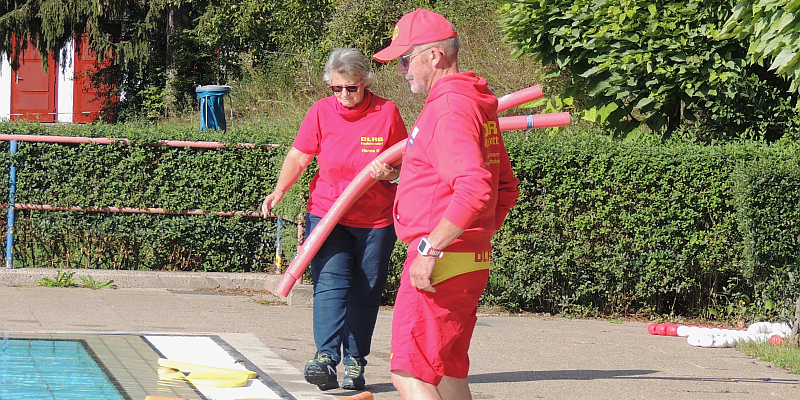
{"x": 166, "y": 398}
{"x": 360, "y": 396}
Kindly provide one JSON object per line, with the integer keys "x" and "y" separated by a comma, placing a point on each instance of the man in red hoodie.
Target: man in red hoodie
{"x": 456, "y": 188}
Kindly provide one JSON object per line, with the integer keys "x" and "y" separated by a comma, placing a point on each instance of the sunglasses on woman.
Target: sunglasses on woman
{"x": 351, "y": 88}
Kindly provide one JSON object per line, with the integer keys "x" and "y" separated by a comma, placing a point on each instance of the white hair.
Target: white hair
{"x": 348, "y": 61}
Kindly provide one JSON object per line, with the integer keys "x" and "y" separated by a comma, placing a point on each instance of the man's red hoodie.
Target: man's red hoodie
{"x": 455, "y": 166}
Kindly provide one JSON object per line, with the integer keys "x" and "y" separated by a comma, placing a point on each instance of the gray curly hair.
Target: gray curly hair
{"x": 348, "y": 61}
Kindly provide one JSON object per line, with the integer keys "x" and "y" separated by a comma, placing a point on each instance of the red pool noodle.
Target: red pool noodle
{"x": 360, "y": 184}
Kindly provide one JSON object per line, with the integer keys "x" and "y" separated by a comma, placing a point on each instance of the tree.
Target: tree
{"x": 770, "y": 26}
{"x": 167, "y": 47}
{"x": 134, "y": 33}
{"x": 124, "y": 27}
{"x": 630, "y": 62}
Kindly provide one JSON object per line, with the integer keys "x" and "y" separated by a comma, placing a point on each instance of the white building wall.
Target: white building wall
{"x": 66, "y": 86}
{"x": 5, "y": 88}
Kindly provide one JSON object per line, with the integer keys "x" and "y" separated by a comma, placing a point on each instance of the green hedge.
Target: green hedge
{"x": 608, "y": 227}
{"x": 143, "y": 175}
{"x": 767, "y": 194}
{"x": 602, "y": 227}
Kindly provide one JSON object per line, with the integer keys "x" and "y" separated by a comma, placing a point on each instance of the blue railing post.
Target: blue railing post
{"x": 12, "y": 187}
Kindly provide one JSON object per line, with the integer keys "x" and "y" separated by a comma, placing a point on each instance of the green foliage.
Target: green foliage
{"x": 50, "y": 23}
{"x": 768, "y": 210}
{"x": 128, "y": 28}
{"x": 770, "y": 26}
{"x": 395, "y": 272}
{"x": 66, "y": 279}
{"x": 604, "y": 227}
{"x": 152, "y": 103}
{"x": 630, "y": 63}
{"x": 144, "y": 176}
{"x": 236, "y": 26}
{"x": 88, "y": 282}
{"x": 365, "y": 25}
{"x": 751, "y": 107}
{"x": 783, "y": 356}
{"x": 63, "y": 279}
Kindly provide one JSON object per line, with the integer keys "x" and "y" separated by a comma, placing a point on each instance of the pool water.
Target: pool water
{"x": 52, "y": 370}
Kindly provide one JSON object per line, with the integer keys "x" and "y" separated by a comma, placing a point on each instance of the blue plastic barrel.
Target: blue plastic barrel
{"x": 212, "y": 106}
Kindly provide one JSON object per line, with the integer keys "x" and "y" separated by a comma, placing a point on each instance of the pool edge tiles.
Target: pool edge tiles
{"x": 250, "y": 365}
{"x": 213, "y": 351}
{"x": 134, "y": 363}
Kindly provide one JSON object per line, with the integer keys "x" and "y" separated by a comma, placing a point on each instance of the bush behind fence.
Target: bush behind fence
{"x": 143, "y": 175}
{"x": 605, "y": 227}
{"x": 602, "y": 227}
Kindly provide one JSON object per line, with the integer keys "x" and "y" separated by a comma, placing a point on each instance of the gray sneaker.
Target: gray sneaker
{"x": 353, "y": 376}
{"x": 321, "y": 371}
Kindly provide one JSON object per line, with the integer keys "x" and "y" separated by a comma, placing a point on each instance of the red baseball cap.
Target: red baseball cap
{"x": 418, "y": 27}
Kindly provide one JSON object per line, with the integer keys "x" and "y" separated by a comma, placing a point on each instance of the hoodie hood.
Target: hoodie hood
{"x": 467, "y": 84}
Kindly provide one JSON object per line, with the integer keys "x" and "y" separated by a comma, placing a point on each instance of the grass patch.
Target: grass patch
{"x": 782, "y": 356}
{"x": 89, "y": 283}
{"x": 67, "y": 279}
{"x": 63, "y": 279}
{"x": 272, "y": 303}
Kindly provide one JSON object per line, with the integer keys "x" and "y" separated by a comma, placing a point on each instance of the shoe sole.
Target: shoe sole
{"x": 316, "y": 374}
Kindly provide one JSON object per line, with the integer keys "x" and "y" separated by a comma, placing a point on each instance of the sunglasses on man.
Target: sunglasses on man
{"x": 406, "y": 59}
{"x": 351, "y": 88}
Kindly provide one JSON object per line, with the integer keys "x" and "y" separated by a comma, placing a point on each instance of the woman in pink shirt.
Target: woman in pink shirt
{"x": 346, "y": 131}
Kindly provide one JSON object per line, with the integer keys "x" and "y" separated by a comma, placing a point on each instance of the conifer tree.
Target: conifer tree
{"x": 125, "y": 29}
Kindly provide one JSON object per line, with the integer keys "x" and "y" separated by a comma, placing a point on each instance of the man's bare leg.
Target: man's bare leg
{"x": 454, "y": 389}
{"x": 412, "y": 388}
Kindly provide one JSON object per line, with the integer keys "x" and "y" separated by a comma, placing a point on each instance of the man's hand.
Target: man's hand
{"x": 420, "y": 273}
{"x": 382, "y": 171}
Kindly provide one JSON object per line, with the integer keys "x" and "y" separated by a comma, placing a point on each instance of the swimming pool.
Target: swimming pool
{"x": 52, "y": 369}
{"x": 124, "y": 366}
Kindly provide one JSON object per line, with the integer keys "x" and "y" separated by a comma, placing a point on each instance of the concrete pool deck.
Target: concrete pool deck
{"x": 513, "y": 357}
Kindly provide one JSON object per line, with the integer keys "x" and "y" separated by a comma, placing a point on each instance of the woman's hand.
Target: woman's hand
{"x": 270, "y": 202}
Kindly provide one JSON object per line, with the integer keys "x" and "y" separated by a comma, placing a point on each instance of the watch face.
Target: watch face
{"x": 421, "y": 246}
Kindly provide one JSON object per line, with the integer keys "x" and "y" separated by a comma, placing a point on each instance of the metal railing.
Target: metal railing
{"x": 12, "y": 176}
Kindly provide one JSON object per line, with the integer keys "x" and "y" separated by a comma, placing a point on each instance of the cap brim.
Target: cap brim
{"x": 391, "y": 52}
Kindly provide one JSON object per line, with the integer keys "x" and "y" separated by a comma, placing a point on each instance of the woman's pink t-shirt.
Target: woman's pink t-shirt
{"x": 345, "y": 141}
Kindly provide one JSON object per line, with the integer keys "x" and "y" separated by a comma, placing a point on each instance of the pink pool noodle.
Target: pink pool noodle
{"x": 358, "y": 186}
{"x": 534, "y": 121}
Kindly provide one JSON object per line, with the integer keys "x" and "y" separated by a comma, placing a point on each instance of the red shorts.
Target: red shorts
{"x": 431, "y": 331}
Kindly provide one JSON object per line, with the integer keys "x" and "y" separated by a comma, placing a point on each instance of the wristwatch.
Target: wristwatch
{"x": 395, "y": 181}
{"x": 427, "y": 250}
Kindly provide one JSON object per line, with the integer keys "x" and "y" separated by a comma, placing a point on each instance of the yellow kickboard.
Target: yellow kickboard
{"x": 193, "y": 368}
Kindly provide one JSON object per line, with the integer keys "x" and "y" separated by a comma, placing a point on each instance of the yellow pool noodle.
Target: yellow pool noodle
{"x": 203, "y": 378}
{"x": 195, "y": 368}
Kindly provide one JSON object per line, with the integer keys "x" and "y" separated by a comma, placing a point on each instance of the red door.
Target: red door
{"x": 33, "y": 90}
{"x": 88, "y": 100}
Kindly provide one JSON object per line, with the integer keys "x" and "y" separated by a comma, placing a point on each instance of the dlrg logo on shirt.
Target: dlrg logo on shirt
{"x": 491, "y": 137}
{"x": 485, "y": 256}
{"x": 376, "y": 141}
{"x": 491, "y": 134}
